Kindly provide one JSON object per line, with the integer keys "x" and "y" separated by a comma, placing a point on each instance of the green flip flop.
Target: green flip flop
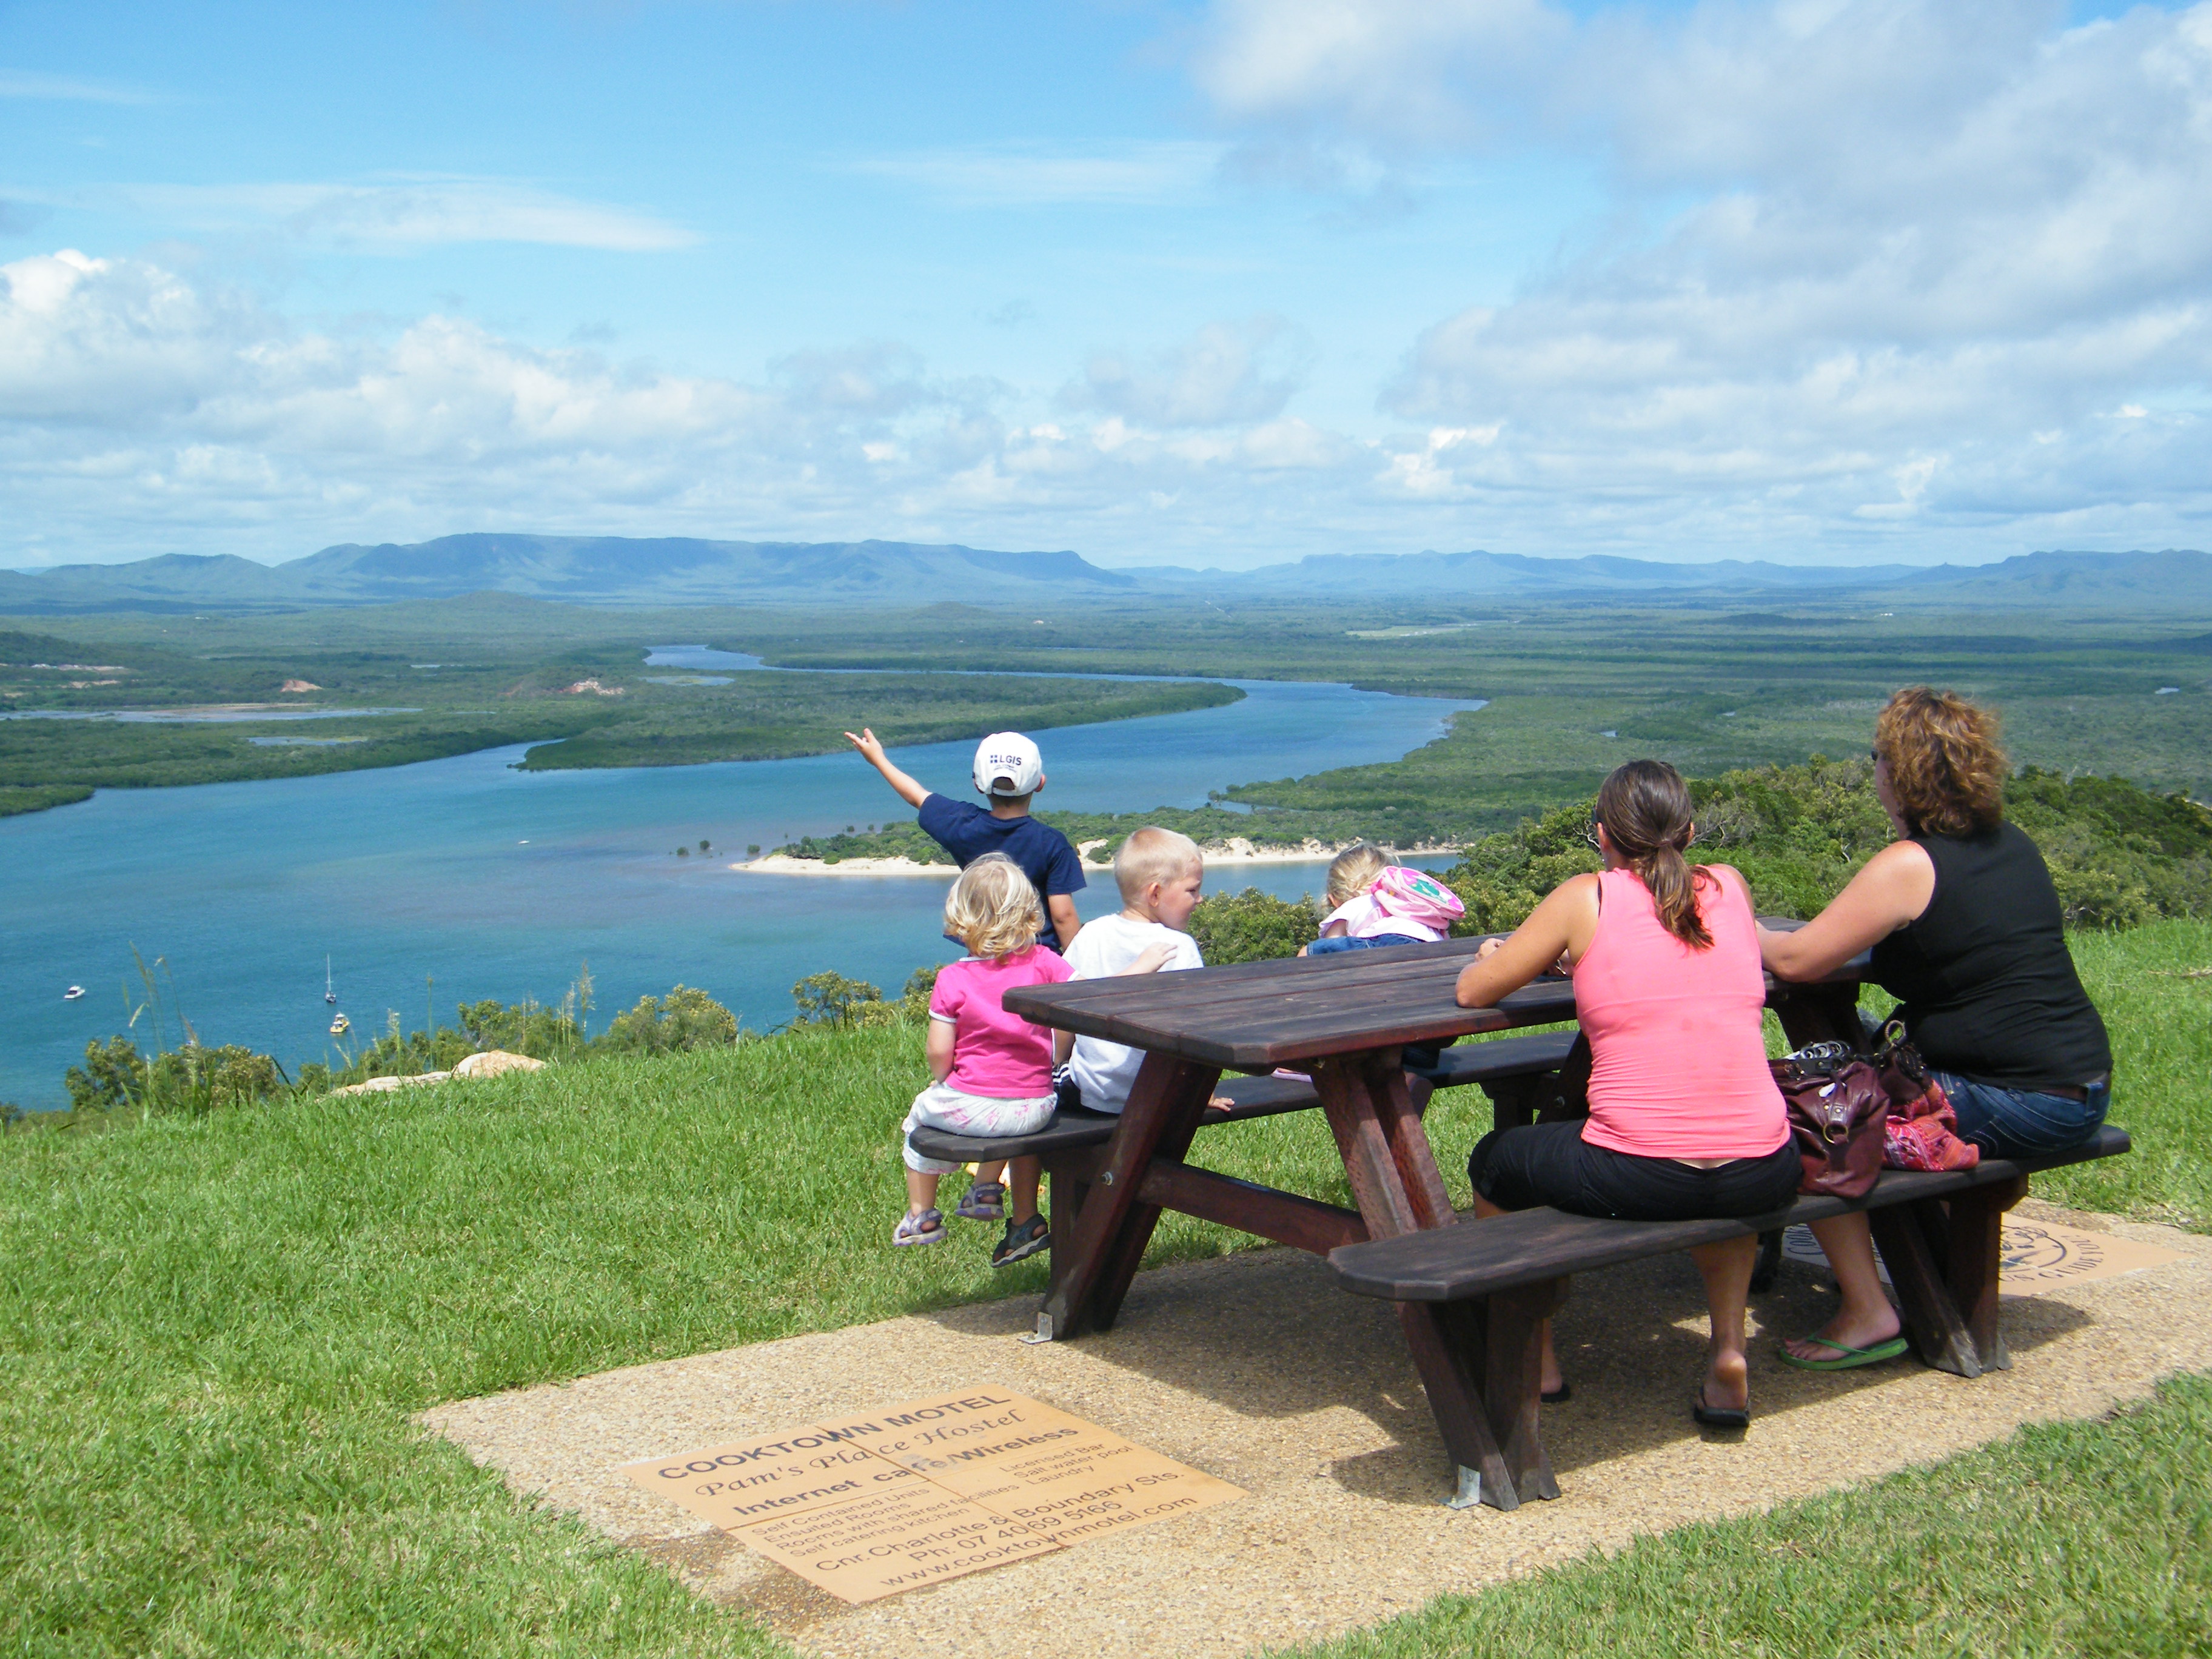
{"x": 1847, "y": 1358}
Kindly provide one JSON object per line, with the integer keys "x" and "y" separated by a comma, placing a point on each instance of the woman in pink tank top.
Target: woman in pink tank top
{"x": 1685, "y": 1121}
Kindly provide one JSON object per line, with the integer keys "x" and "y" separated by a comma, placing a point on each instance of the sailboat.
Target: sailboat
{"x": 329, "y": 991}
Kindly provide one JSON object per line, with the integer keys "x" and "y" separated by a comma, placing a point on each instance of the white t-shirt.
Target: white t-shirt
{"x": 1106, "y": 1072}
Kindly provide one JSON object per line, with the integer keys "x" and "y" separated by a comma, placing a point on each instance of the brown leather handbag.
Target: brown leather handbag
{"x": 1839, "y": 1115}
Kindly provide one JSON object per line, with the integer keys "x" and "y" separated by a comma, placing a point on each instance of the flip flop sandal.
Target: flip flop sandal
{"x": 927, "y": 1228}
{"x": 1023, "y": 1239}
{"x": 1719, "y": 1417}
{"x": 1847, "y": 1358}
{"x": 984, "y": 1201}
{"x": 1557, "y": 1396}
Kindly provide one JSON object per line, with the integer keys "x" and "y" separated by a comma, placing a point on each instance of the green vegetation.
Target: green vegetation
{"x": 1575, "y": 689}
{"x": 585, "y": 703}
{"x": 2066, "y": 1538}
{"x": 2118, "y": 855}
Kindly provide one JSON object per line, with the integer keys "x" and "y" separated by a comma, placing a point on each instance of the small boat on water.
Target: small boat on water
{"x": 73, "y": 994}
{"x": 340, "y": 1026}
{"x": 329, "y": 991}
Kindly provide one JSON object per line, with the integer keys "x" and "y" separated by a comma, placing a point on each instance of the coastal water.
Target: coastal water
{"x": 493, "y": 883}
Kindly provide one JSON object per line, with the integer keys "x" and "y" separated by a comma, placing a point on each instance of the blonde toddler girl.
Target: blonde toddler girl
{"x": 993, "y": 1069}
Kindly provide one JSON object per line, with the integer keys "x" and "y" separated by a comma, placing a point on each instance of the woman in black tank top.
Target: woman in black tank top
{"x": 1967, "y": 933}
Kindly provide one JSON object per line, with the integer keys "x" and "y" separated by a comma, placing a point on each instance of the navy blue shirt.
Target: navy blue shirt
{"x": 967, "y": 831}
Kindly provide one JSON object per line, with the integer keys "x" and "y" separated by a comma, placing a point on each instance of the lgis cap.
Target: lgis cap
{"x": 1007, "y": 763}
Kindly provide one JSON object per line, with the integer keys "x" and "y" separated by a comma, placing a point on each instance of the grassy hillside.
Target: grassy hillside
{"x": 216, "y": 1329}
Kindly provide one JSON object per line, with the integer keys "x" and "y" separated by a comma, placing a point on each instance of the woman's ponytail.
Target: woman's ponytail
{"x": 1645, "y": 809}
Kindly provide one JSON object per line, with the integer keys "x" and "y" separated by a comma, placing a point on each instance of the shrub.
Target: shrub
{"x": 193, "y": 1080}
{"x": 913, "y": 1005}
{"x": 112, "y": 1075}
{"x": 1250, "y": 926}
{"x": 686, "y": 1019}
{"x": 520, "y": 1028}
{"x": 830, "y": 998}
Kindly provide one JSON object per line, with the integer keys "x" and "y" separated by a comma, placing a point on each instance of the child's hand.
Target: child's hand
{"x": 1154, "y": 958}
{"x": 866, "y": 744}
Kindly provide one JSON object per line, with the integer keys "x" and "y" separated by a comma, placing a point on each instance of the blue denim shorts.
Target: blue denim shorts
{"x": 2022, "y": 1122}
{"x": 1325, "y": 947}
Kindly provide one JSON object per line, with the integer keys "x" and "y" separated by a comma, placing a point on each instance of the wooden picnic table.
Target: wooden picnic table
{"x": 1343, "y": 1018}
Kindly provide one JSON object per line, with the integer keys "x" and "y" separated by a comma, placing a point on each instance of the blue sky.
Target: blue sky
{"x": 1223, "y": 282}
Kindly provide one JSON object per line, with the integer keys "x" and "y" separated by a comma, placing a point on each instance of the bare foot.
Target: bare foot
{"x": 1727, "y": 1384}
{"x": 1858, "y": 1332}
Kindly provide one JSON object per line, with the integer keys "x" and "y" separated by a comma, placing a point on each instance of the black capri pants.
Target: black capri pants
{"x": 1539, "y": 1164}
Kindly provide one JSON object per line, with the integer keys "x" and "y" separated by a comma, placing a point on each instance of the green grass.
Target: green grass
{"x": 2068, "y": 1538}
{"x": 215, "y": 1333}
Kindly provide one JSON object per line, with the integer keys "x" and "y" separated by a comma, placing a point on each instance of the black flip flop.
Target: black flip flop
{"x": 1719, "y": 1417}
{"x": 1557, "y": 1396}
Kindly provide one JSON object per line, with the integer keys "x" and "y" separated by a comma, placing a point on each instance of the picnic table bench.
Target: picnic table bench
{"x": 1469, "y": 1311}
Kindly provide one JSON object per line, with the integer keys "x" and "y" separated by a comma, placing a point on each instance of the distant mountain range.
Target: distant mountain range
{"x": 668, "y": 571}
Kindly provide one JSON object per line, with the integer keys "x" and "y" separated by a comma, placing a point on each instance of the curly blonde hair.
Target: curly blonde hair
{"x": 992, "y": 909}
{"x": 1945, "y": 765}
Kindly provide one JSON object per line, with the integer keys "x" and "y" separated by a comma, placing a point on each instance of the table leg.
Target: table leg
{"x": 1513, "y": 1380}
{"x": 1478, "y": 1366}
{"x": 1091, "y": 1270}
{"x": 1386, "y": 1157}
{"x": 1931, "y": 1317}
{"x": 1976, "y": 1224}
{"x": 1446, "y": 1341}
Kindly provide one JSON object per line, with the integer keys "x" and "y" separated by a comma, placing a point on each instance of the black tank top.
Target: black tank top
{"x": 1989, "y": 989}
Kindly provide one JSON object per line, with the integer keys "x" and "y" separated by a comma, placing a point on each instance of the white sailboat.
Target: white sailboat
{"x": 329, "y": 991}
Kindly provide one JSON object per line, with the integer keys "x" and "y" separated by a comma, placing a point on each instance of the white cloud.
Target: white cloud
{"x": 1133, "y": 173}
{"x": 1226, "y": 373}
{"x": 398, "y": 214}
{"x": 140, "y": 411}
{"x": 1872, "y": 267}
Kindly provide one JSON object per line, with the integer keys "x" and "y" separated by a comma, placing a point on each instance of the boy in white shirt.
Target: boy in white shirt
{"x": 1160, "y": 874}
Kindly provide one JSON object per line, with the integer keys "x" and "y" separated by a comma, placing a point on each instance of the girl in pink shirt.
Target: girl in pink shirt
{"x": 993, "y": 1069}
{"x": 1685, "y": 1120}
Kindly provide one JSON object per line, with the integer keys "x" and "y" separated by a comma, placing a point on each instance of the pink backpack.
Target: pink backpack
{"x": 1413, "y": 897}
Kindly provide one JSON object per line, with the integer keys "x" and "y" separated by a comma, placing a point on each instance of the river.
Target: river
{"x": 495, "y": 883}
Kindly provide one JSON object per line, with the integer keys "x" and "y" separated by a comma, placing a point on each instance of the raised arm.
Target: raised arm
{"x": 1891, "y": 888}
{"x": 910, "y": 792}
{"x": 1563, "y": 925}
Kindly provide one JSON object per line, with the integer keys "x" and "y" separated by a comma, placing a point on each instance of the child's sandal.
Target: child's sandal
{"x": 984, "y": 1201}
{"x": 1023, "y": 1239}
{"x": 926, "y": 1228}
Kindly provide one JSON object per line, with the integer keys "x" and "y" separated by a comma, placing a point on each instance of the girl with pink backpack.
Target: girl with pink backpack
{"x": 1375, "y": 903}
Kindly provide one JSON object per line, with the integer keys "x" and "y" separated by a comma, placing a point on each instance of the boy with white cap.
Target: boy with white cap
{"x": 1008, "y": 771}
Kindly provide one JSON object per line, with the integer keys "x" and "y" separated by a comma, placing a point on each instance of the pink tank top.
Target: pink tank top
{"x": 1678, "y": 1061}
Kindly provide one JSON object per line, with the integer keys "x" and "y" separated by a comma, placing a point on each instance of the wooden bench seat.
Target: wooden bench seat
{"x": 1499, "y": 1059}
{"x": 1499, "y": 1279}
{"x": 1071, "y": 1131}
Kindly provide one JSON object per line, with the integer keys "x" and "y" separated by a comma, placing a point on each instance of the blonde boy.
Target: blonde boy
{"x": 1160, "y": 874}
